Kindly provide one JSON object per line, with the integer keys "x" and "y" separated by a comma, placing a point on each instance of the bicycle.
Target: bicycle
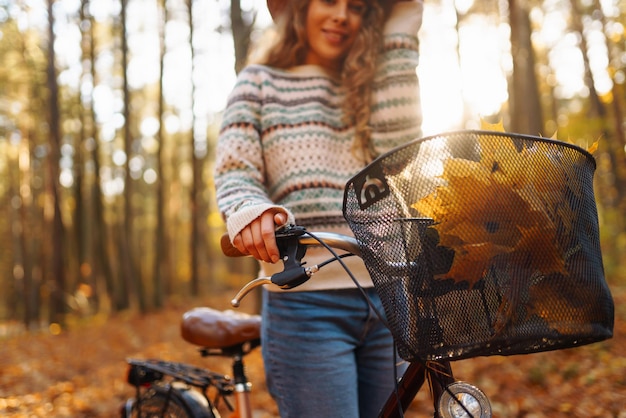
{"x": 526, "y": 268}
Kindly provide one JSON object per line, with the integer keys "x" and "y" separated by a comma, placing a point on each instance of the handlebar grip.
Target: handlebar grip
{"x": 228, "y": 248}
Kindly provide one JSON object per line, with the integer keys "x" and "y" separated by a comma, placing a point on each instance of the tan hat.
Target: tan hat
{"x": 276, "y": 7}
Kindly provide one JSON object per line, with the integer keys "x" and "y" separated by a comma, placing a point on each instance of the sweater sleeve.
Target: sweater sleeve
{"x": 406, "y": 17}
{"x": 239, "y": 171}
{"x": 396, "y": 116}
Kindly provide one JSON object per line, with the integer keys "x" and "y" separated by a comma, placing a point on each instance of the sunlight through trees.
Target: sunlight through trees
{"x": 110, "y": 109}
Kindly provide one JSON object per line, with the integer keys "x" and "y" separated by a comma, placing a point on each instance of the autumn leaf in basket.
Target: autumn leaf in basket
{"x": 505, "y": 211}
{"x": 564, "y": 308}
{"x": 502, "y": 208}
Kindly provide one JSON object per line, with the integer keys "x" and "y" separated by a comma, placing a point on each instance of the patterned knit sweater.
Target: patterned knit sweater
{"x": 283, "y": 142}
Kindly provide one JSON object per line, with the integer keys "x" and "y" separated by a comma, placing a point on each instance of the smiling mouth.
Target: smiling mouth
{"x": 335, "y": 37}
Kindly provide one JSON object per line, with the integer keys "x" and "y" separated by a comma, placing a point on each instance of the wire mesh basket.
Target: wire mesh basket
{"x": 483, "y": 243}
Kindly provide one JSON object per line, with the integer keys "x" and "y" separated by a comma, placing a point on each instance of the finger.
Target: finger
{"x": 247, "y": 242}
{"x": 238, "y": 244}
{"x": 258, "y": 234}
{"x": 280, "y": 219}
{"x": 269, "y": 237}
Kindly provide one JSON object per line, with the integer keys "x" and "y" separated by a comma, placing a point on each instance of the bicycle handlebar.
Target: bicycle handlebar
{"x": 337, "y": 241}
{"x": 292, "y": 242}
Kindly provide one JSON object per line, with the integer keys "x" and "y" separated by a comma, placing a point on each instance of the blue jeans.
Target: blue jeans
{"x": 326, "y": 353}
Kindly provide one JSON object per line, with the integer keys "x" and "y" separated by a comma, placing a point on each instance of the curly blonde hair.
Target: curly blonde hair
{"x": 358, "y": 69}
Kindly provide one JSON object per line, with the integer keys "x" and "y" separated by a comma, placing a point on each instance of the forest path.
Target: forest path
{"x": 80, "y": 373}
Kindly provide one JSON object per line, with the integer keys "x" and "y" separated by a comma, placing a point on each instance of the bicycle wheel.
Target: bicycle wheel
{"x": 168, "y": 402}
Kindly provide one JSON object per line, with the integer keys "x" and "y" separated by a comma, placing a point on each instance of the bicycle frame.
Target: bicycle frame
{"x": 533, "y": 239}
{"x": 292, "y": 243}
{"x": 225, "y": 334}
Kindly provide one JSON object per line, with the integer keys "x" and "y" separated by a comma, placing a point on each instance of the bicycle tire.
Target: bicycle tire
{"x": 164, "y": 401}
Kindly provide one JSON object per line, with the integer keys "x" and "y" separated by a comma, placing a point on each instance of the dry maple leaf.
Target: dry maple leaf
{"x": 564, "y": 308}
{"x": 492, "y": 204}
{"x": 506, "y": 209}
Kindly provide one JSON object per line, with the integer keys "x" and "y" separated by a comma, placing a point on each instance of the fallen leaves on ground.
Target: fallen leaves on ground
{"x": 81, "y": 372}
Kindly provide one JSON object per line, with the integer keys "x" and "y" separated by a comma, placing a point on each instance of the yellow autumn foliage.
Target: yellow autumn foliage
{"x": 507, "y": 207}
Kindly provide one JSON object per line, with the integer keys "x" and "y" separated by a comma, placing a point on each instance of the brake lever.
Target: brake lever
{"x": 291, "y": 253}
{"x": 287, "y": 279}
{"x": 236, "y": 301}
{"x": 292, "y": 243}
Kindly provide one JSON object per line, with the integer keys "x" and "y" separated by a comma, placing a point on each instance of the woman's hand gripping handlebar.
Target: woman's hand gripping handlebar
{"x": 292, "y": 242}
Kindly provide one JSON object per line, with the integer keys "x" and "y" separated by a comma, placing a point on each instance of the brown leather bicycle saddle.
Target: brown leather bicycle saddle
{"x": 211, "y": 328}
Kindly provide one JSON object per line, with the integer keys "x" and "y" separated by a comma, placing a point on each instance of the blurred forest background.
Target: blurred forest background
{"x": 109, "y": 113}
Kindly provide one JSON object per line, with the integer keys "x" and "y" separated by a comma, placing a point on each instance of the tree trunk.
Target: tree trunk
{"x": 525, "y": 105}
{"x": 241, "y": 34}
{"x": 195, "y": 237}
{"x": 57, "y": 303}
{"x": 25, "y": 288}
{"x": 133, "y": 283}
{"x": 598, "y": 109}
{"x": 161, "y": 267}
{"x": 100, "y": 255}
{"x": 619, "y": 145}
{"x": 30, "y": 290}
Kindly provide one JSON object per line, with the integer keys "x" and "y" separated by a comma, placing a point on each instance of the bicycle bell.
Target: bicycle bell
{"x": 463, "y": 400}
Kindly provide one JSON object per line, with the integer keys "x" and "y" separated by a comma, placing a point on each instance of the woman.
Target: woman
{"x": 337, "y": 89}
